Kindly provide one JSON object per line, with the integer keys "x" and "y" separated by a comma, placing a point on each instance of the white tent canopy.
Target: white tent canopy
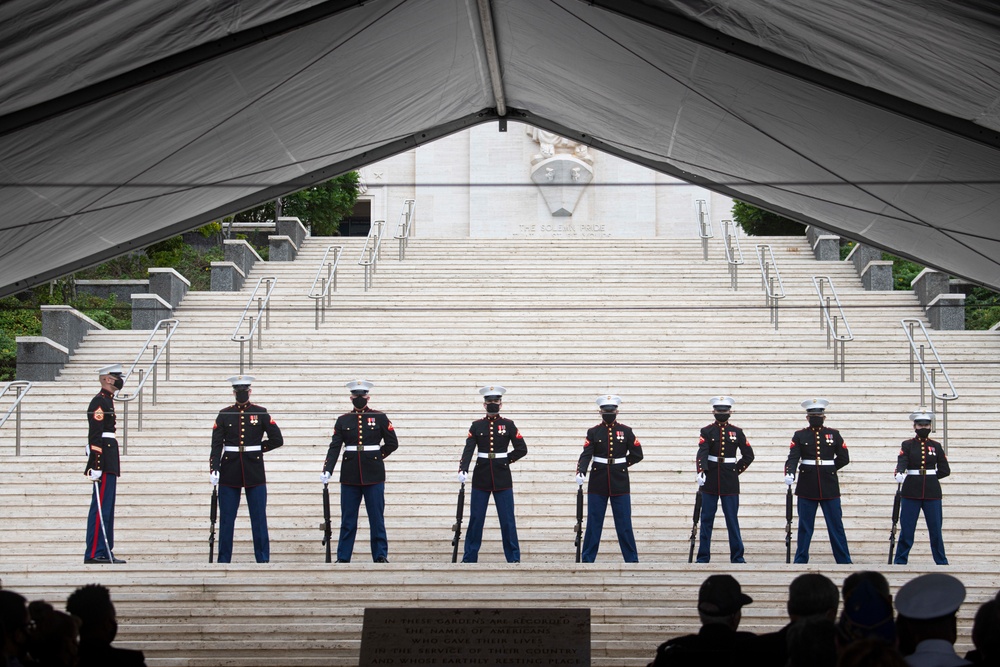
{"x": 123, "y": 122}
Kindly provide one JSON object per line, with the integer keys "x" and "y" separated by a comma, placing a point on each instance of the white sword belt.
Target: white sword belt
{"x": 810, "y": 462}
{"x": 492, "y": 455}
{"x": 231, "y": 448}
{"x": 716, "y": 459}
{"x": 108, "y": 434}
{"x": 600, "y": 459}
{"x": 360, "y": 448}
{"x": 921, "y": 472}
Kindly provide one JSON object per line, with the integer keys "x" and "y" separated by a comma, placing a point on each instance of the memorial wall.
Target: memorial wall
{"x": 527, "y": 183}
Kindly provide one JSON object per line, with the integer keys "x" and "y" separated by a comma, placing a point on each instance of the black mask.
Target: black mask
{"x": 609, "y": 417}
{"x": 359, "y": 401}
{"x": 119, "y": 383}
{"x": 816, "y": 420}
{"x": 492, "y": 408}
{"x": 923, "y": 433}
{"x": 722, "y": 417}
{"x": 242, "y": 395}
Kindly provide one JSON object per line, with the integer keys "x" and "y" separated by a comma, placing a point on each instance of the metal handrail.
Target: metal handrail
{"x": 21, "y": 389}
{"x": 372, "y": 252}
{"x": 734, "y": 259}
{"x": 170, "y": 327}
{"x": 263, "y": 306}
{"x": 322, "y": 298}
{"x": 771, "y": 297}
{"x": 404, "y": 224}
{"x": 704, "y": 226}
{"x": 832, "y": 322}
{"x": 930, "y": 374}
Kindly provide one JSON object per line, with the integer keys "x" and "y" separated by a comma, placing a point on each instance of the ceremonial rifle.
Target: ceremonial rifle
{"x": 579, "y": 520}
{"x": 213, "y": 515}
{"x": 694, "y": 527}
{"x": 895, "y": 520}
{"x": 458, "y": 524}
{"x": 788, "y": 525}
{"x": 327, "y": 530}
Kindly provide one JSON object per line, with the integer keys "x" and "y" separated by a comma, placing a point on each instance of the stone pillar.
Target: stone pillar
{"x": 293, "y": 229}
{"x": 147, "y": 310}
{"x": 39, "y": 358}
{"x": 66, "y": 326}
{"x": 281, "y": 249}
{"x": 242, "y": 254}
{"x": 876, "y": 273}
{"x": 929, "y": 284}
{"x": 826, "y": 247}
{"x": 169, "y": 285}
{"x": 946, "y": 312}
{"x": 227, "y": 277}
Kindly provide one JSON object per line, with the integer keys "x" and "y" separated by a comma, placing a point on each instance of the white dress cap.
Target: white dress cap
{"x": 110, "y": 370}
{"x": 930, "y": 596}
{"x": 725, "y": 401}
{"x": 815, "y": 404}
{"x": 608, "y": 399}
{"x": 359, "y": 385}
{"x": 240, "y": 380}
{"x": 921, "y": 414}
{"x": 492, "y": 390}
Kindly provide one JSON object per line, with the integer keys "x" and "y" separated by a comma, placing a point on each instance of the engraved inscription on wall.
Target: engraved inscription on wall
{"x": 566, "y": 230}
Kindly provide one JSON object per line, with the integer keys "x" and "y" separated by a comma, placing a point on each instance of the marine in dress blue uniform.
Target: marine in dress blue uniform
{"x": 103, "y": 466}
{"x": 367, "y": 438}
{"x": 610, "y": 449}
{"x": 496, "y": 443}
{"x": 718, "y": 476}
{"x": 237, "y": 466}
{"x": 817, "y": 453}
{"x": 919, "y": 466}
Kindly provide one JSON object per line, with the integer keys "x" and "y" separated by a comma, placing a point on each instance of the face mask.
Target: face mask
{"x": 609, "y": 417}
{"x": 923, "y": 433}
{"x": 492, "y": 408}
{"x": 722, "y": 418}
{"x": 242, "y": 395}
{"x": 359, "y": 401}
{"x": 816, "y": 420}
{"x": 119, "y": 383}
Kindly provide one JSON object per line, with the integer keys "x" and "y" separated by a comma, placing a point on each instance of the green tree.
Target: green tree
{"x": 758, "y": 222}
{"x": 320, "y": 208}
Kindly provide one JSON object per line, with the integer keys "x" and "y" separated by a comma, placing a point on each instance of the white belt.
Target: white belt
{"x": 921, "y": 472}
{"x": 491, "y": 455}
{"x": 108, "y": 434}
{"x": 599, "y": 459}
{"x": 715, "y": 459}
{"x": 810, "y": 462}
{"x": 359, "y": 448}
{"x": 230, "y": 448}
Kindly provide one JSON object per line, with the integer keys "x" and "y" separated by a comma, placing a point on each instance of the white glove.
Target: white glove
{"x": 900, "y": 476}
{"x": 701, "y": 479}
{"x": 580, "y": 479}
{"x": 95, "y": 474}
{"x": 789, "y": 479}
{"x": 324, "y": 477}
{"x": 213, "y": 477}
{"x": 462, "y": 476}
{"x": 86, "y": 450}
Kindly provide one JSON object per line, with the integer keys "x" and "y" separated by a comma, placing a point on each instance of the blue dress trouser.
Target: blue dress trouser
{"x": 106, "y": 487}
{"x": 909, "y": 509}
{"x": 229, "y": 505}
{"x": 730, "y": 509}
{"x": 621, "y": 509}
{"x": 350, "y": 503}
{"x": 834, "y": 526}
{"x": 504, "y": 501}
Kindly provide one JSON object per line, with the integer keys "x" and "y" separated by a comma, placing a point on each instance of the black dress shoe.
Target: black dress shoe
{"x": 341, "y": 560}
{"x": 381, "y": 559}
{"x": 103, "y": 561}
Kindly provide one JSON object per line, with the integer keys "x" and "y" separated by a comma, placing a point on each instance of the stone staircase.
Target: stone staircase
{"x": 556, "y": 322}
